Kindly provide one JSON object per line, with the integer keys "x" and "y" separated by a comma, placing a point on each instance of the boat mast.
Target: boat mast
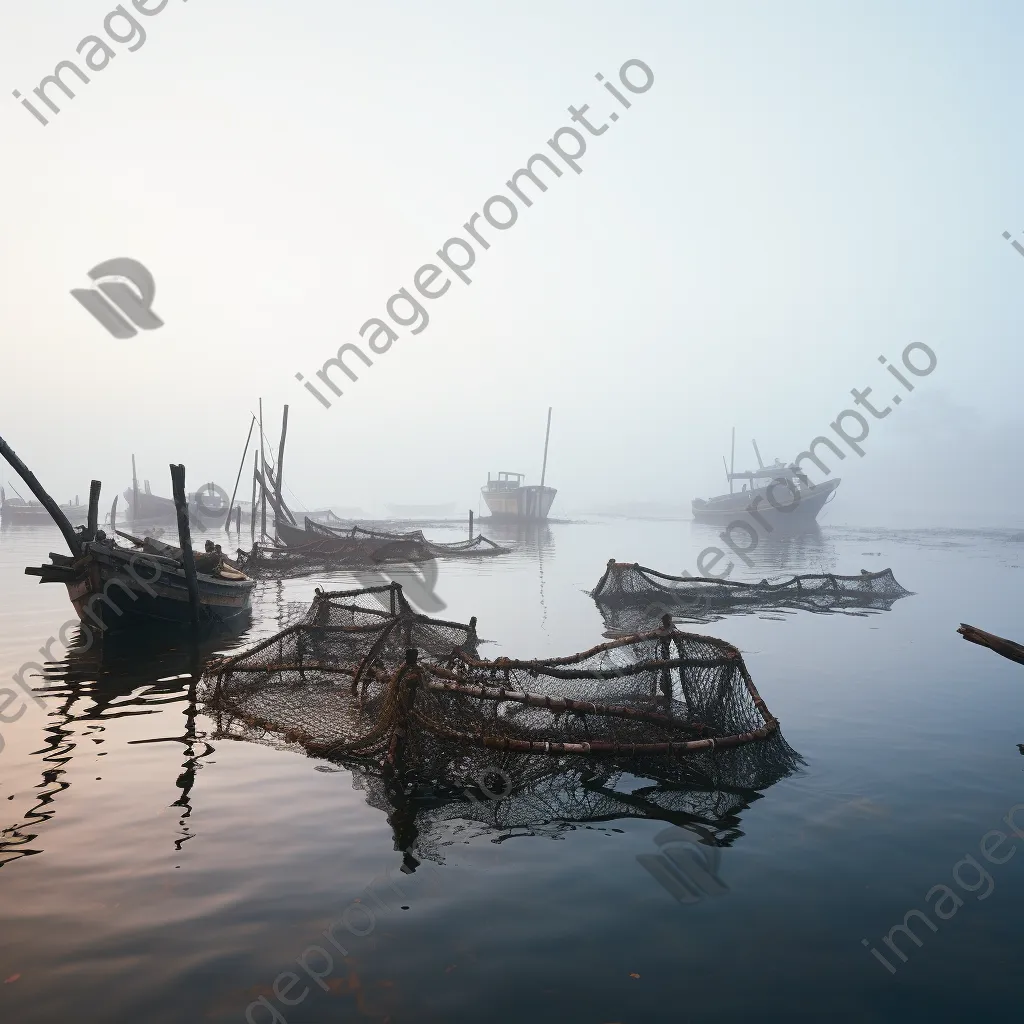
{"x": 760, "y": 464}
{"x": 263, "y": 476}
{"x": 547, "y": 434}
{"x": 241, "y": 466}
{"x": 732, "y": 459}
{"x": 280, "y": 470}
{"x": 135, "y": 492}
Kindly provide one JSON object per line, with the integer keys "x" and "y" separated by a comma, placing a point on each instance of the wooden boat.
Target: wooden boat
{"x": 774, "y": 498}
{"x": 509, "y": 498}
{"x": 115, "y": 587}
{"x": 18, "y": 512}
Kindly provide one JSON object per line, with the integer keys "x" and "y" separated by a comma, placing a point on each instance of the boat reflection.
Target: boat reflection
{"x": 118, "y": 676}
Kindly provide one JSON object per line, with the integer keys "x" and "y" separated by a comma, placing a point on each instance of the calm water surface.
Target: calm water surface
{"x": 155, "y": 871}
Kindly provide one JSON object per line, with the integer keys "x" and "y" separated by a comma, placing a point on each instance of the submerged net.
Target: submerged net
{"x": 630, "y": 586}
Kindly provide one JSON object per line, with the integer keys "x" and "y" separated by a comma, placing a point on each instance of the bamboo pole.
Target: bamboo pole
{"x": 63, "y": 523}
{"x": 188, "y": 560}
{"x": 547, "y": 434}
{"x": 252, "y": 507}
{"x": 135, "y": 493}
{"x": 280, "y": 468}
{"x": 241, "y": 466}
{"x": 263, "y": 473}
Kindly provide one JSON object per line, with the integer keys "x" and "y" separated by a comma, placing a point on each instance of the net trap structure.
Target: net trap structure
{"x": 661, "y": 724}
{"x": 355, "y": 679}
{"x": 630, "y": 595}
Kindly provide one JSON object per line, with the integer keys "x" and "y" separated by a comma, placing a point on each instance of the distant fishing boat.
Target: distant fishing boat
{"x": 779, "y": 495}
{"x": 508, "y": 497}
{"x": 18, "y": 512}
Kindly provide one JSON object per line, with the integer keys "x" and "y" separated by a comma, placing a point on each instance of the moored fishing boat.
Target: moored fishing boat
{"x": 508, "y": 497}
{"x": 18, "y": 512}
{"x": 774, "y": 498}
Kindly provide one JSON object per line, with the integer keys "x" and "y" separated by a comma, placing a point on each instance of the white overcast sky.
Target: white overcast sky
{"x": 805, "y": 186}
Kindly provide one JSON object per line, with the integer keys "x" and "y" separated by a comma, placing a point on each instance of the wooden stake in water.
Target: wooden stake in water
{"x": 188, "y": 559}
{"x": 94, "y": 510}
{"x": 470, "y": 524}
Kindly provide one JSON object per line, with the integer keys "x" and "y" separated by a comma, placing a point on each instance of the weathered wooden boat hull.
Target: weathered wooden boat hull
{"x": 12, "y": 514}
{"x": 530, "y": 503}
{"x": 117, "y": 588}
{"x": 752, "y": 508}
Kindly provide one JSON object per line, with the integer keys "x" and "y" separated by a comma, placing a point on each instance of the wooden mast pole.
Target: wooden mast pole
{"x": 135, "y": 493}
{"x": 241, "y": 466}
{"x": 732, "y": 459}
{"x": 547, "y": 434}
{"x": 263, "y": 471}
{"x": 280, "y": 468}
{"x": 252, "y": 507}
{"x": 62, "y": 521}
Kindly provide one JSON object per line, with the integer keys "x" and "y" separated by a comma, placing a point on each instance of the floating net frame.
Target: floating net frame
{"x": 479, "y": 546}
{"x": 329, "y": 683}
{"x": 629, "y": 583}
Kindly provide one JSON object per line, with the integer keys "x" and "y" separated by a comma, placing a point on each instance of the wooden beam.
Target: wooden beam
{"x": 188, "y": 560}
{"x": 62, "y": 521}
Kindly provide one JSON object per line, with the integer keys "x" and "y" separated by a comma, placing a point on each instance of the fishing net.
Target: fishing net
{"x": 664, "y": 724}
{"x": 628, "y": 585}
{"x": 336, "y": 683}
{"x": 391, "y": 544}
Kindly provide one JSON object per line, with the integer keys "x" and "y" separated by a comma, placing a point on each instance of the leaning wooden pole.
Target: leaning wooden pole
{"x": 135, "y": 494}
{"x": 263, "y": 474}
{"x": 241, "y": 466}
{"x": 113, "y": 516}
{"x": 547, "y": 435}
{"x": 94, "y": 510}
{"x": 252, "y": 507}
{"x": 280, "y": 466}
{"x": 188, "y": 559}
{"x": 63, "y": 523}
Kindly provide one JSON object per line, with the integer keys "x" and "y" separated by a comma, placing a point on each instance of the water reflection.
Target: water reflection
{"x": 805, "y": 550}
{"x": 117, "y": 677}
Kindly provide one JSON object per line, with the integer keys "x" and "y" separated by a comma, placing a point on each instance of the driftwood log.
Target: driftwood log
{"x": 1006, "y": 648}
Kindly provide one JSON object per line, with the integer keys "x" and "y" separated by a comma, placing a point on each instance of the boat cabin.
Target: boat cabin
{"x": 506, "y": 482}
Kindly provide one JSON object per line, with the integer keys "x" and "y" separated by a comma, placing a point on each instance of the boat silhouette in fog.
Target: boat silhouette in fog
{"x": 508, "y": 497}
{"x": 776, "y": 497}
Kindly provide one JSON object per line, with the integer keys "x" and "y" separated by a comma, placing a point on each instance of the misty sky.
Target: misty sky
{"x": 804, "y": 187}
